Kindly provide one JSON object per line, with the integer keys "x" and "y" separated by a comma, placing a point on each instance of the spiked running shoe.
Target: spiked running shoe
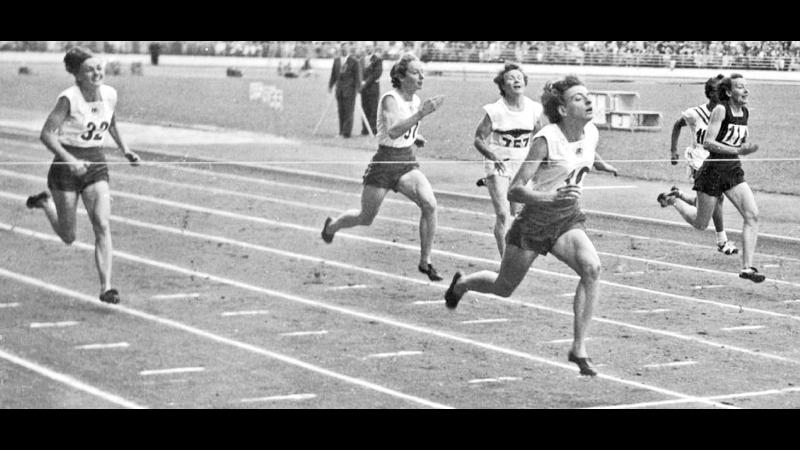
{"x": 583, "y": 364}
{"x": 666, "y": 198}
{"x": 752, "y": 275}
{"x": 110, "y": 296}
{"x": 327, "y": 237}
{"x": 430, "y": 272}
{"x": 35, "y": 201}
{"x": 451, "y": 299}
{"x": 481, "y": 182}
{"x": 727, "y": 248}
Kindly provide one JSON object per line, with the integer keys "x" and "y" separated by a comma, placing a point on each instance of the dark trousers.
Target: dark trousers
{"x": 369, "y": 102}
{"x": 346, "y": 102}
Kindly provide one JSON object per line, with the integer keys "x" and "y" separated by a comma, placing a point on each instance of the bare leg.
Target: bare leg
{"x": 498, "y": 191}
{"x": 97, "y": 200}
{"x": 513, "y": 268}
{"x": 742, "y": 197}
{"x": 716, "y": 217}
{"x": 60, "y": 211}
{"x": 417, "y": 188}
{"x": 371, "y": 200}
{"x": 700, "y": 216}
{"x": 576, "y": 250}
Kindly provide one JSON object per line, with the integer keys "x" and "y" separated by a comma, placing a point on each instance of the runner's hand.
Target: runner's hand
{"x": 79, "y": 167}
{"x": 570, "y": 192}
{"x": 133, "y": 158}
{"x": 674, "y": 157}
{"x": 432, "y": 104}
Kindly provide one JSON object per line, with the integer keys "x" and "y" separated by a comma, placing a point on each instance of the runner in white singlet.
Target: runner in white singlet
{"x": 503, "y": 138}
{"x": 74, "y": 132}
{"x": 551, "y": 220}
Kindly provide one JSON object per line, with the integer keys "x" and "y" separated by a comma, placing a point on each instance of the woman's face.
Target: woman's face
{"x": 412, "y": 81}
{"x": 577, "y": 103}
{"x": 739, "y": 92}
{"x": 513, "y": 82}
{"x": 92, "y": 72}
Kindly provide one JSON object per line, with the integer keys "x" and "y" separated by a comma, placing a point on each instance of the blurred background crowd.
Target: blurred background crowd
{"x": 756, "y": 55}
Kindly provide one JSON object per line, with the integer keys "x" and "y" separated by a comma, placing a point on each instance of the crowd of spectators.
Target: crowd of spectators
{"x": 762, "y": 55}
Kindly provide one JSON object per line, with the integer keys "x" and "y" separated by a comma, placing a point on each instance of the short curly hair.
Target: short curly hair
{"x": 553, "y": 96}
{"x": 499, "y": 80}
{"x": 400, "y": 68}
{"x": 75, "y": 57}
{"x": 712, "y": 84}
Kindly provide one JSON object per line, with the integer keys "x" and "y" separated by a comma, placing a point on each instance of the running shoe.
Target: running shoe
{"x": 35, "y": 201}
{"x": 451, "y": 299}
{"x": 430, "y": 272}
{"x": 752, "y": 275}
{"x": 583, "y": 364}
{"x": 110, "y": 296}
{"x": 727, "y": 248}
{"x": 666, "y": 198}
{"x": 481, "y": 182}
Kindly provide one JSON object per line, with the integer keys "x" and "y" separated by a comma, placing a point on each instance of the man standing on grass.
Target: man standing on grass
{"x": 371, "y": 86}
{"x": 346, "y": 76}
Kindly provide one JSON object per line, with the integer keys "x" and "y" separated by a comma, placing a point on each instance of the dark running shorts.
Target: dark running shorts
{"x": 715, "y": 177}
{"x": 59, "y": 177}
{"x": 539, "y": 227}
{"x": 388, "y": 165}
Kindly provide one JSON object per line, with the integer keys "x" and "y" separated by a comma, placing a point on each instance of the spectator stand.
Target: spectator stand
{"x": 616, "y": 110}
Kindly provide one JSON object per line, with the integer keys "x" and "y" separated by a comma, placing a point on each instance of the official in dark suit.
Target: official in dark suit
{"x": 371, "y": 87}
{"x": 346, "y": 76}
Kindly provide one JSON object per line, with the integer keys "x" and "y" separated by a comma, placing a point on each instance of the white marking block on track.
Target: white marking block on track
{"x": 102, "y": 346}
{"x": 171, "y": 371}
{"x": 295, "y": 397}
{"x": 68, "y": 323}
{"x": 393, "y": 354}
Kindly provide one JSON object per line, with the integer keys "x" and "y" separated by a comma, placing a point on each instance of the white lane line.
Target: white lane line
{"x": 205, "y": 334}
{"x": 9, "y": 305}
{"x": 190, "y": 272}
{"x": 652, "y": 311}
{"x": 429, "y": 302}
{"x": 304, "y": 333}
{"x": 278, "y": 398}
{"x": 424, "y": 330}
{"x": 394, "y": 354}
{"x": 743, "y": 328}
{"x": 567, "y": 294}
{"x": 468, "y": 322}
{"x": 712, "y": 398}
{"x": 68, "y": 380}
{"x": 399, "y": 202}
{"x": 565, "y": 341}
{"x": 175, "y": 296}
{"x": 340, "y": 288}
{"x": 770, "y": 266}
{"x": 670, "y": 364}
{"x": 171, "y": 371}
{"x": 67, "y": 323}
{"x": 392, "y": 322}
{"x": 255, "y": 312}
{"x": 792, "y": 301}
{"x": 347, "y": 235}
{"x": 709, "y": 286}
{"x": 640, "y": 272}
{"x": 493, "y": 380}
{"x": 102, "y": 346}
